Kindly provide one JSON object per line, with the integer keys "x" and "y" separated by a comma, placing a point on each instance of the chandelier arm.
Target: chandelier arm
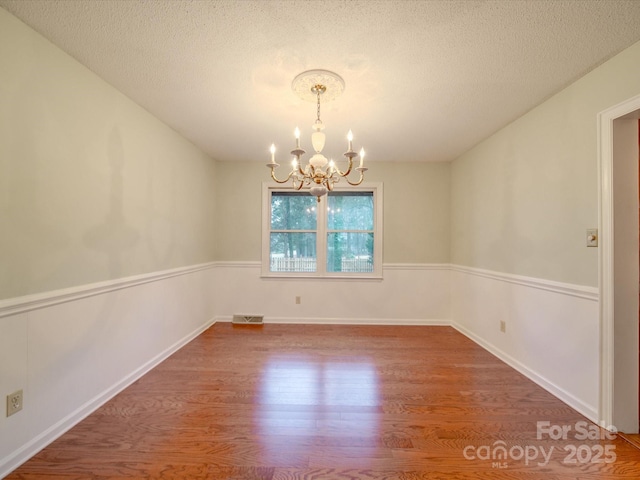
{"x": 299, "y": 185}
{"x": 358, "y": 182}
{"x": 349, "y": 168}
{"x": 273, "y": 175}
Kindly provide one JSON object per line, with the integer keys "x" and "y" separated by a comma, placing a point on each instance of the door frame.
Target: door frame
{"x": 606, "y": 256}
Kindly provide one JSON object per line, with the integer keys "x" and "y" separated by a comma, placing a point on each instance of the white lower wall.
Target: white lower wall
{"x": 72, "y": 350}
{"x": 552, "y": 330}
{"x": 408, "y": 294}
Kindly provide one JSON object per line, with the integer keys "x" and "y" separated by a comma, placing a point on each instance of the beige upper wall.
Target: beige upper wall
{"x": 92, "y": 187}
{"x": 416, "y": 210}
{"x": 523, "y": 199}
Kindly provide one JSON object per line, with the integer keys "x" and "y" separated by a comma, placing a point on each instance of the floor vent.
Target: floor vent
{"x": 248, "y": 319}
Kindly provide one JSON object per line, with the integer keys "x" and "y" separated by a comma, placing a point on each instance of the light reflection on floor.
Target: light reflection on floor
{"x": 301, "y": 400}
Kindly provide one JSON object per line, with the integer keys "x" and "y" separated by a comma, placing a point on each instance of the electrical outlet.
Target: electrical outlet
{"x": 297, "y": 300}
{"x": 503, "y": 326}
{"x": 14, "y": 402}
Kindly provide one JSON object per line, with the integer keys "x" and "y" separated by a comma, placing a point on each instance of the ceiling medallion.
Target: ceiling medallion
{"x": 304, "y": 83}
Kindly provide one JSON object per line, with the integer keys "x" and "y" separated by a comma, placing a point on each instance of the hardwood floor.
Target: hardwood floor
{"x": 285, "y": 402}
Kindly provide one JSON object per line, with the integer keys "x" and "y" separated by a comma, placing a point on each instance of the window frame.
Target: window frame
{"x": 321, "y": 236}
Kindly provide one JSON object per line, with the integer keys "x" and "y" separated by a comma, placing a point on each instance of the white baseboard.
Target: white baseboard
{"x": 588, "y": 411}
{"x": 28, "y": 450}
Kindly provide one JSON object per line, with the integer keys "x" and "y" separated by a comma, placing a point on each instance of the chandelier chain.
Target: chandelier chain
{"x": 318, "y": 113}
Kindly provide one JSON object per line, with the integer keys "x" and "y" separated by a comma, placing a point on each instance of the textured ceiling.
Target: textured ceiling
{"x": 425, "y": 80}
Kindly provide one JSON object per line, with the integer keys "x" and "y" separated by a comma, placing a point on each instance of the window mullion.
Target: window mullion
{"x": 322, "y": 236}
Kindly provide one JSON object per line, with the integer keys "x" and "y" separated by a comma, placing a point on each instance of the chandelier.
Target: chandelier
{"x": 319, "y": 174}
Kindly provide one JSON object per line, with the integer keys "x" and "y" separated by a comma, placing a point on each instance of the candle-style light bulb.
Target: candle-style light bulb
{"x": 361, "y": 157}
{"x": 294, "y": 164}
{"x": 273, "y": 153}
{"x": 331, "y": 166}
{"x": 296, "y": 132}
{"x": 350, "y": 138}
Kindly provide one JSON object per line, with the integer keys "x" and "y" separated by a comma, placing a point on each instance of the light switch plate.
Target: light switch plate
{"x": 592, "y": 237}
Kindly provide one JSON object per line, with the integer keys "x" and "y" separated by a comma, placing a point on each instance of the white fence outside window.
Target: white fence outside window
{"x": 293, "y": 264}
{"x": 308, "y": 264}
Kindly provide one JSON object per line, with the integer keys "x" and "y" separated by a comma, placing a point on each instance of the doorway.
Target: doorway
{"x": 619, "y": 266}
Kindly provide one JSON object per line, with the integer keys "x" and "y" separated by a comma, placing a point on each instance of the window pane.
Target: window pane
{"x": 293, "y": 252}
{"x": 350, "y": 211}
{"x": 293, "y": 211}
{"x": 350, "y": 252}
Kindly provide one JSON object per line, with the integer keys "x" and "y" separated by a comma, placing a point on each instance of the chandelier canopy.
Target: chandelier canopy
{"x": 319, "y": 174}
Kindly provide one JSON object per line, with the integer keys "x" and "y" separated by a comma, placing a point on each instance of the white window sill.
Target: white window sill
{"x": 309, "y": 276}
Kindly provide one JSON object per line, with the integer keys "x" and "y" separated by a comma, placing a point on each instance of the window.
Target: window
{"x": 340, "y": 236}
